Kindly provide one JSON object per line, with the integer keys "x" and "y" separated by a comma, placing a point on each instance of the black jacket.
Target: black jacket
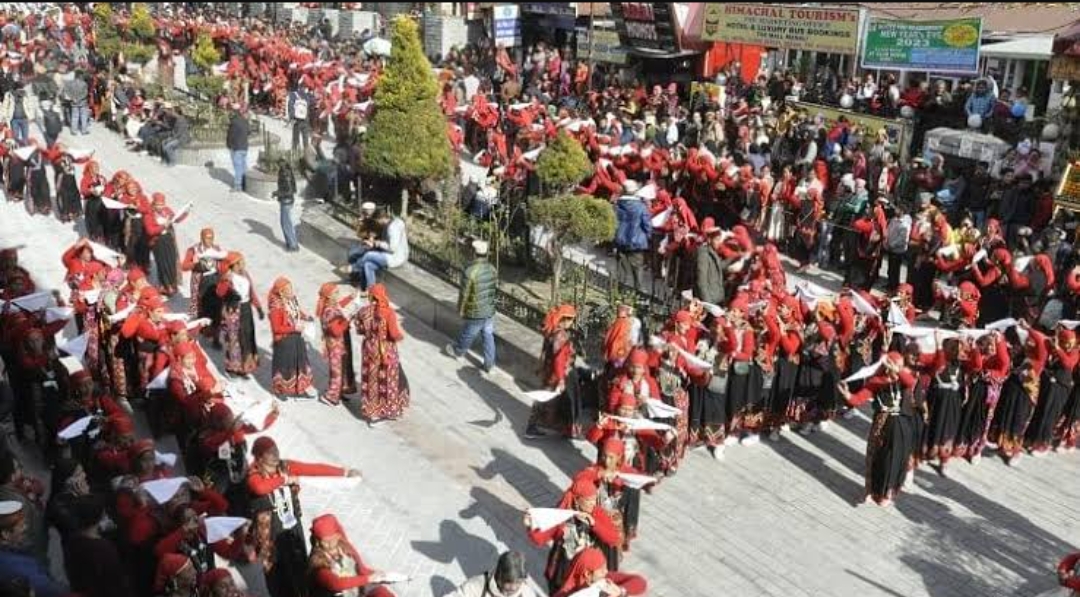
{"x": 237, "y": 137}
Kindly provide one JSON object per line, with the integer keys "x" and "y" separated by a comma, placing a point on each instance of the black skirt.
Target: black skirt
{"x": 68, "y": 199}
{"x": 994, "y": 304}
{"x": 1053, "y": 398}
{"x": 166, "y": 258}
{"x": 137, "y": 250}
{"x": 39, "y": 191}
{"x": 1011, "y": 417}
{"x": 787, "y": 374}
{"x": 943, "y": 428}
{"x": 95, "y": 218}
{"x": 922, "y": 279}
{"x": 289, "y": 366}
{"x": 16, "y": 180}
{"x": 708, "y": 415}
{"x": 287, "y": 577}
{"x": 890, "y": 451}
{"x": 248, "y": 347}
{"x": 209, "y": 303}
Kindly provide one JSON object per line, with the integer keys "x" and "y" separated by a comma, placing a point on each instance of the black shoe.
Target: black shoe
{"x": 534, "y": 432}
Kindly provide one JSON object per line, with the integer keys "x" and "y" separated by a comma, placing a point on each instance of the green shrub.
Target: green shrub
{"x": 209, "y": 87}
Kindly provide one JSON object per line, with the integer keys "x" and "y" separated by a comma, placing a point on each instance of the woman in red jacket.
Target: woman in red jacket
{"x": 337, "y": 343}
{"x": 238, "y": 299}
{"x": 589, "y": 570}
{"x": 619, "y": 500}
{"x": 291, "y": 371}
{"x": 990, "y": 365}
{"x": 158, "y": 224}
{"x": 335, "y": 566}
{"x": 274, "y": 486}
{"x": 557, "y": 362}
{"x": 1054, "y": 390}
{"x": 1018, "y": 397}
{"x": 590, "y": 527}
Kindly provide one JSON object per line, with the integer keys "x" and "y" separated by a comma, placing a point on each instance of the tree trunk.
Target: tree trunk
{"x": 404, "y": 200}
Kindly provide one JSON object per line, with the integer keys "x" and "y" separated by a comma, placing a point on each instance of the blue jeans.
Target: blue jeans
{"x": 80, "y": 120}
{"x": 978, "y": 218}
{"x": 239, "y": 166}
{"x": 825, "y": 232}
{"x": 21, "y": 128}
{"x": 168, "y": 151}
{"x": 467, "y": 337}
{"x": 356, "y": 253}
{"x": 369, "y": 266}
{"x": 288, "y": 229}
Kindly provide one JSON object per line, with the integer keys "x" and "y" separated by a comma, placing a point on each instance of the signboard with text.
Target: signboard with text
{"x": 606, "y": 46}
{"x": 950, "y": 46}
{"x": 506, "y": 25}
{"x": 814, "y": 29}
{"x": 646, "y": 26}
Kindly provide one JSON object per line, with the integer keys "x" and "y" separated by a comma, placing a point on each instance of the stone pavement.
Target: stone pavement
{"x": 444, "y": 488}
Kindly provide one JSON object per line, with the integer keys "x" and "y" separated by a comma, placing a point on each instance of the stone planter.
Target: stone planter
{"x": 261, "y": 185}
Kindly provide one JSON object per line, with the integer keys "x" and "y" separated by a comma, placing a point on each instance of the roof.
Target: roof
{"x": 998, "y": 18}
{"x": 1036, "y": 47}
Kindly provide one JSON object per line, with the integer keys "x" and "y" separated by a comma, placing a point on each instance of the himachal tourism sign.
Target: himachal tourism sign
{"x": 814, "y": 29}
{"x": 950, "y": 46}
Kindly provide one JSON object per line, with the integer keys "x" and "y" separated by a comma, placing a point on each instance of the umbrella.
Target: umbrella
{"x": 377, "y": 46}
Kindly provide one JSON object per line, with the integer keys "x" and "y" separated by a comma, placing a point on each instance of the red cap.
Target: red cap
{"x": 325, "y": 526}
{"x": 583, "y": 489}
{"x": 135, "y": 274}
{"x": 141, "y": 447}
{"x": 685, "y": 317}
{"x": 638, "y": 358}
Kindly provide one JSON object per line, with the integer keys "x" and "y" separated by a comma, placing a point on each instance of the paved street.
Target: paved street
{"x": 444, "y": 488}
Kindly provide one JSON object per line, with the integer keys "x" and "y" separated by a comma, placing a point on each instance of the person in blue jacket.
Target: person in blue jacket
{"x": 632, "y": 235}
{"x": 17, "y": 565}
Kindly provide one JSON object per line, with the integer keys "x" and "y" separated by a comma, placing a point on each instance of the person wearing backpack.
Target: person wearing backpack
{"x": 897, "y": 237}
{"x": 300, "y": 107}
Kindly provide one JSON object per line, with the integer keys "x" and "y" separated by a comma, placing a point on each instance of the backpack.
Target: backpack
{"x": 898, "y": 234}
{"x": 53, "y": 124}
{"x": 300, "y": 108}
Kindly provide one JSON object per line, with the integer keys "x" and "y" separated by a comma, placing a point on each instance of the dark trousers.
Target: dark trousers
{"x": 895, "y": 261}
{"x": 630, "y": 265}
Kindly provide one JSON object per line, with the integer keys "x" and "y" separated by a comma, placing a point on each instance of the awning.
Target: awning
{"x": 1037, "y": 47}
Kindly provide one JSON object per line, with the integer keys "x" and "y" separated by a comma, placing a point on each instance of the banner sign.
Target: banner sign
{"x": 898, "y": 131}
{"x": 937, "y": 46}
{"x": 606, "y": 46}
{"x": 833, "y": 30}
{"x": 507, "y": 25}
{"x": 1065, "y": 68}
{"x": 646, "y": 25}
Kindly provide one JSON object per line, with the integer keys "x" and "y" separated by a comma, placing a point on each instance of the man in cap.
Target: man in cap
{"x": 16, "y": 564}
{"x": 476, "y": 305}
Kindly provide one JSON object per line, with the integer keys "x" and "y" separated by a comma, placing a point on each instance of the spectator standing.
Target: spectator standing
{"x": 710, "y": 266}
{"x": 19, "y": 110}
{"x": 237, "y": 142}
{"x": 980, "y": 103}
{"x": 286, "y": 196}
{"x": 300, "y": 106}
{"x": 77, "y": 93}
{"x": 52, "y": 122}
{"x": 632, "y": 234}
{"x": 476, "y": 305}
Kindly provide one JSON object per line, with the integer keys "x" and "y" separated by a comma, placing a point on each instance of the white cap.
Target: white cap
{"x": 367, "y": 206}
{"x": 480, "y": 247}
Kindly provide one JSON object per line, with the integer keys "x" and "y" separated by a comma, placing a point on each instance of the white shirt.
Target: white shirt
{"x": 242, "y": 287}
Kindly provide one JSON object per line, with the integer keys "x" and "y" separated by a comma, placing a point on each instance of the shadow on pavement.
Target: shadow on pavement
{"x": 507, "y": 523}
{"x": 259, "y": 229}
{"x": 474, "y": 554}
{"x": 440, "y": 585}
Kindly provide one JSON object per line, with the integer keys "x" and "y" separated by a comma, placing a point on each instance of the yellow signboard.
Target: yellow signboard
{"x": 815, "y": 29}
{"x": 899, "y": 131}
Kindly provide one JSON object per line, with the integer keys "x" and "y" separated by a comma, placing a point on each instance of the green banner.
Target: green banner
{"x": 937, "y": 46}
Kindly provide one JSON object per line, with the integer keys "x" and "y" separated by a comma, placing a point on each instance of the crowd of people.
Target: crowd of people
{"x": 974, "y": 353}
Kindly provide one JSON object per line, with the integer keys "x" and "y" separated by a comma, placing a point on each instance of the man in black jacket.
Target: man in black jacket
{"x": 179, "y": 135}
{"x": 237, "y": 142}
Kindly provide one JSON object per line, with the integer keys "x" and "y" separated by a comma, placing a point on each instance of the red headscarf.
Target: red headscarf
{"x": 556, "y": 315}
{"x": 617, "y": 342}
{"x": 325, "y": 292}
{"x": 377, "y": 292}
{"x": 169, "y": 566}
{"x": 582, "y": 568}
